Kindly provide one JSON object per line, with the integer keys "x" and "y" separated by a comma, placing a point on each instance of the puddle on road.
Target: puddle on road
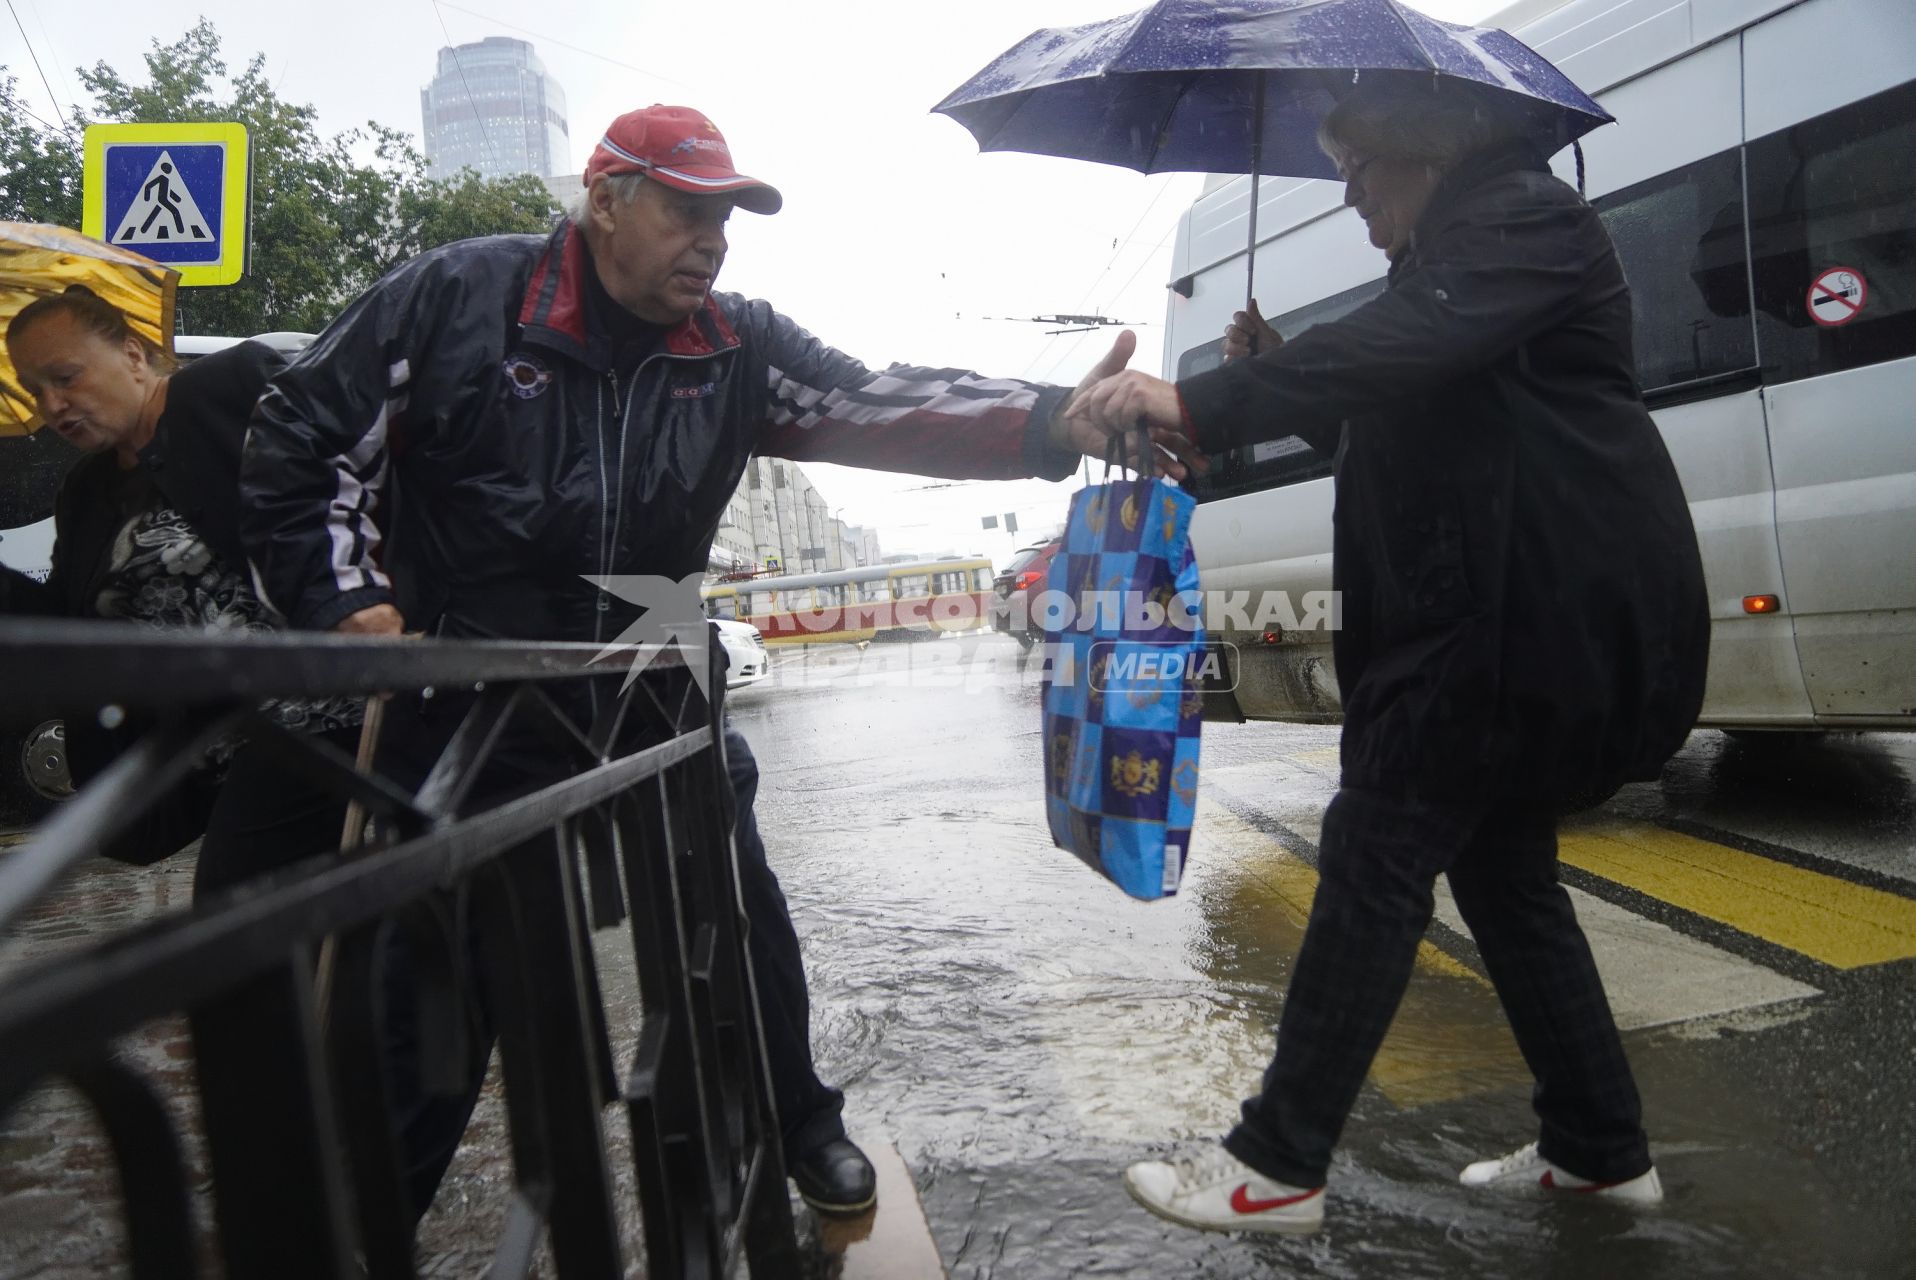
{"x": 1021, "y": 1032}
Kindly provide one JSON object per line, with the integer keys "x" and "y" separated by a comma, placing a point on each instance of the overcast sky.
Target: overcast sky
{"x": 897, "y": 238}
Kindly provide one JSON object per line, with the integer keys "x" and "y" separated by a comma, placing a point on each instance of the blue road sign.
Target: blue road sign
{"x": 175, "y": 193}
{"x": 163, "y": 189}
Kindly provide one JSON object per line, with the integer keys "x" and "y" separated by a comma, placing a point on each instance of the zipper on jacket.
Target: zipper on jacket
{"x": 611, "y": 509}
{"x": 603, "y": 602}
{"x": 616, "y": 498}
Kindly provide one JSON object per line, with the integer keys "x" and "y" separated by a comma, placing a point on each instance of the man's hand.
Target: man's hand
{"x": 1062, "y": 436}
{"x": 1122, "y": 404}
{"x": 1249, "y": 334}
{"x": 1089, "y": 433}
{"x": 379, "y": 620}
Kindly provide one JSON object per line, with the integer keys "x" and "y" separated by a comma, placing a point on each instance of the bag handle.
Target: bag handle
{"x": 1114, "y": 453}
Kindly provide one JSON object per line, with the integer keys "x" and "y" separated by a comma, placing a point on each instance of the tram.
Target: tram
{"x": 917, "y": 599}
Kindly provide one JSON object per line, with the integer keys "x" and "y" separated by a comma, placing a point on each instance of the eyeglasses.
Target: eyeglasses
{"x": 1355, "y": 172}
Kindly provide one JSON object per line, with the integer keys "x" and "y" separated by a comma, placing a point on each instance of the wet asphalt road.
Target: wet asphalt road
{"x": 1021, "y": 1031}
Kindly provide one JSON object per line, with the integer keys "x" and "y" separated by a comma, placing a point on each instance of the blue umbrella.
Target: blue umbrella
{"x": 1241, "y": 86}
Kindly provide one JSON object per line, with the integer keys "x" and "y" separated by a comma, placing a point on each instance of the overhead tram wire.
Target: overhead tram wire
{"x": 53, "y": 54}
{"x": 1147, "y": 257}
{"x": 52, "y": 97}
{"x": 1125, "y": 241}
{"x": 30, "y": 112}
{"x": 576, "y": 48}
{"x": 471, "y": 102}
{"x": 1120, "y": 289}
{"x": 1162, "y": 188}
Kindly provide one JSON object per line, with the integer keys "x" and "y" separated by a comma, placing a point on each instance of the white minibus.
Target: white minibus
{"x": 1760, "y": 185}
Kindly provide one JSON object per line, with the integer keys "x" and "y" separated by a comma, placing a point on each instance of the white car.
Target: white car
{"x": 192, "y": 346}
{"x": 745, "y": 659}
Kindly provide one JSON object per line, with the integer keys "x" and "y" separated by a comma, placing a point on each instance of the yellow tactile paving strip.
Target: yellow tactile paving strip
{"x": 1844, "y": 925}
{"x": 1449, "y": 1038}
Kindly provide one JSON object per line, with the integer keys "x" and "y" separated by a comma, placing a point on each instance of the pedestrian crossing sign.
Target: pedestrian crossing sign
{"x": 177, "y": 193}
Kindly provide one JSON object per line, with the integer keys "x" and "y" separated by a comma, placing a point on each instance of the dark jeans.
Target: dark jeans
{"x": 431, "y": 1118}
{"x": 1378, "y": 860}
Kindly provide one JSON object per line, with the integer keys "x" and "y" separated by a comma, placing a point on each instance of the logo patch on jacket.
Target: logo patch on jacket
{"x": 526, "y": 376}
{"x": 689, "y": 392}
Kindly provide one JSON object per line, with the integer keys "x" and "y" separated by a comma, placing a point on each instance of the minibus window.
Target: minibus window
{"x": 1285, "y": 461}
{"x": 1680, "y": 238}
{"x": 1833, "y": 226}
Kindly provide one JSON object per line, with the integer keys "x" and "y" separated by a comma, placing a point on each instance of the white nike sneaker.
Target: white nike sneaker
{"x": 1526, "y": 1168}
{"x": 1215, "y": 1191}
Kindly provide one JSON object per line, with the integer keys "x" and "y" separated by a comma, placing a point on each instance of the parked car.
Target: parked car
{"x": 188, "y": 347}
{"x": 1014, "y": 588}
{"x": 746, "y": 661}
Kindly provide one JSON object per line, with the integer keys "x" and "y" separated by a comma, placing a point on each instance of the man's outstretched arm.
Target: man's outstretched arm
{"x": 826, "y": 406}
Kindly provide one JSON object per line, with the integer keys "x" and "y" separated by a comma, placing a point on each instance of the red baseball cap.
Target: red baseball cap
{"x": 680, "y": 148}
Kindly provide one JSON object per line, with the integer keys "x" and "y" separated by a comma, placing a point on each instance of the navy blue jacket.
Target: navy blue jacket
{"x": 461, "y": 443}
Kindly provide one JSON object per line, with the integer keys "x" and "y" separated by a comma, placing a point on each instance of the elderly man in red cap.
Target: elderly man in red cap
{"x": 501, "y": 419}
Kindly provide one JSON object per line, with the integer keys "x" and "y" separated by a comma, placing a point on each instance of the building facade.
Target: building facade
{"x": 564, "y": 186}
{"x": 778, "y": 522}
{"x": 493, "y": 108}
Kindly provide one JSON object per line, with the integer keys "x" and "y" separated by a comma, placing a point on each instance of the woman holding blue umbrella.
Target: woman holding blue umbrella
{"x": 1523, "y": 630}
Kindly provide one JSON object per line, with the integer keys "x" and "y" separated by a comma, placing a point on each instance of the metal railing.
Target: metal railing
{"x": 296, "y": 1098}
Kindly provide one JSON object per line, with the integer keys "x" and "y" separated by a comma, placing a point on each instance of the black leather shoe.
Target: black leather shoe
{"x": 836, "y": 1178}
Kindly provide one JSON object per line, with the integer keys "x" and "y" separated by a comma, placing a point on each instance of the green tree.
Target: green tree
{"x": 39, "y": 165}
{"x": 449, "y": 209}
{"x": 326, "y": 223}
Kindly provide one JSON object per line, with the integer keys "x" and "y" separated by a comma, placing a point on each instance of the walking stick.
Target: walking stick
{"x": 350, "y": 840}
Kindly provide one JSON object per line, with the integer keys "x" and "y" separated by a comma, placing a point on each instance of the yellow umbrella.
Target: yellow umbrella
{"x": 37, "y": 261}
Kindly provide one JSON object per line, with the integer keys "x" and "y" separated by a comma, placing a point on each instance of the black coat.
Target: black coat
{"x": 193, "y": 462}
{"x": 1523, "y": 606}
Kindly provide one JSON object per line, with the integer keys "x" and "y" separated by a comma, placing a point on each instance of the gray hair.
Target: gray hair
{"x": 1438, "y": 123}
{"x": 625, "y": 189}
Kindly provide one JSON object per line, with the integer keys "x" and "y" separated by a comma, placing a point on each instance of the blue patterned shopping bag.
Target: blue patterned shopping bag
{"x": 1124, "y": 640}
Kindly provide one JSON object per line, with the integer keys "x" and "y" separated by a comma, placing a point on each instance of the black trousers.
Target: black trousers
{"x": 431, "y": 1111}
{"x": 1379, "y": 857}
{"x": 263, "y": 818}
{"x": 258, "y": 818}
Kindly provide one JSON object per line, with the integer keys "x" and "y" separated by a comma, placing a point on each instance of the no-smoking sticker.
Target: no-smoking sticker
{"x": 1837, "y": 296}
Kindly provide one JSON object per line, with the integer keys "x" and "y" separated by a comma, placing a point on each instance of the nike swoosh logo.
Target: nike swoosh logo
{"x": 1241, "y": 1201}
